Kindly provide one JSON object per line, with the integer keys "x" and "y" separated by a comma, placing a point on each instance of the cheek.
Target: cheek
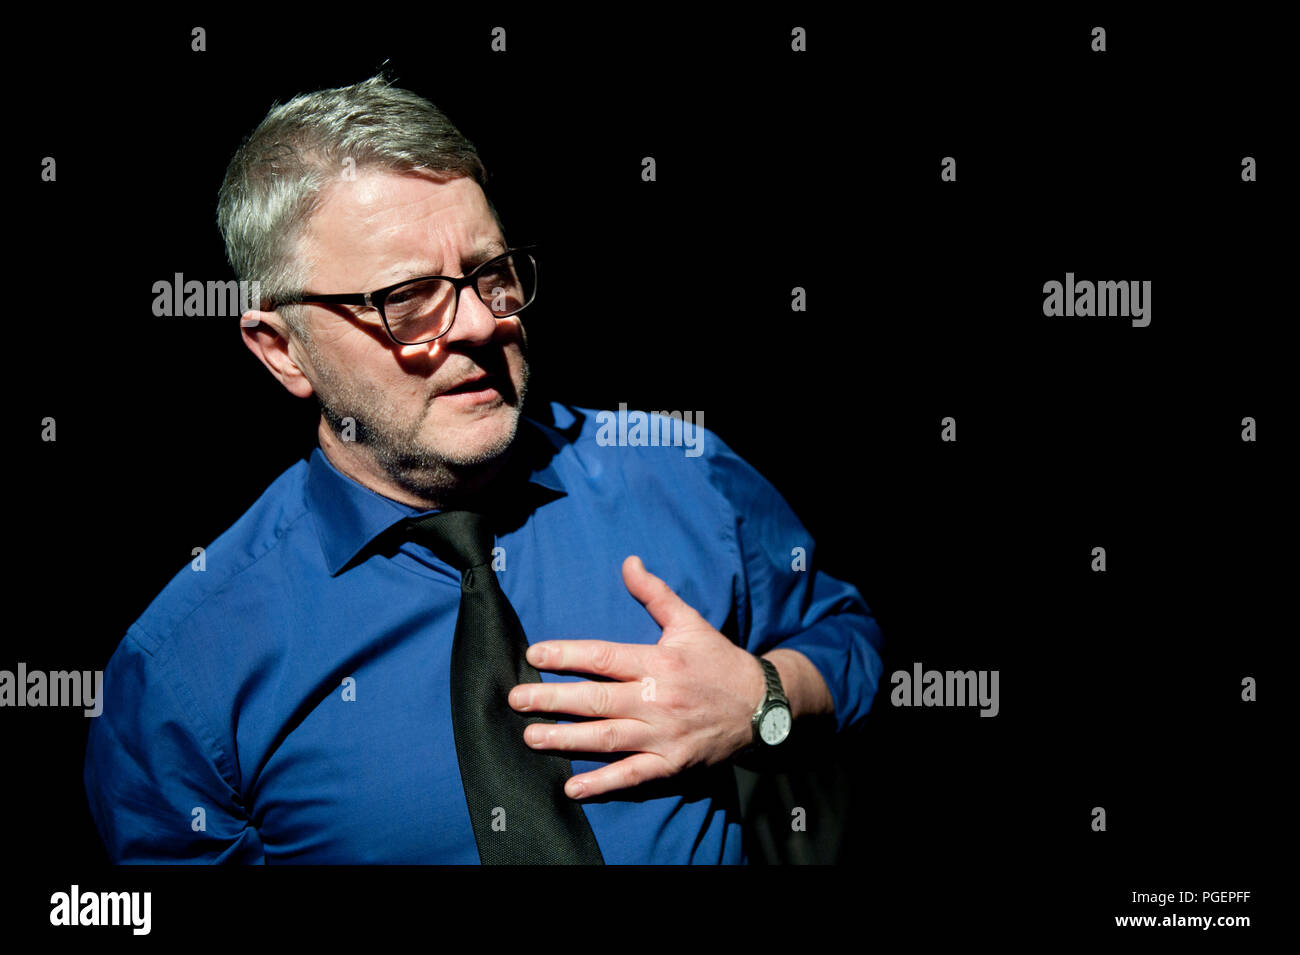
{"x": 518, "y": 367}
{"x": 516, "y": 344}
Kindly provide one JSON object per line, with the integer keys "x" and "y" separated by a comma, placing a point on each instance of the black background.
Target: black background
{"x": 775, "y": 170}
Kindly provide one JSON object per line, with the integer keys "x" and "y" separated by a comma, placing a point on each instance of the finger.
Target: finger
{"x": 656, "y": 596}
{"x": 621, "y": 661}
{"x": 581, "y": 698}
{"x": 624, "y": 774}
{"x": 602, "y": 736}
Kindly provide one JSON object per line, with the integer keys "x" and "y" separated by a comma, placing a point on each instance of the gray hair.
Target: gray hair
{"x": 275, "y": 182}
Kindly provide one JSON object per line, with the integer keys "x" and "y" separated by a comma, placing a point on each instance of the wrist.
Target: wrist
{"x": 772, "y": 719}
{"x": 803, "y": 683}
{"x": 753, "y": 693}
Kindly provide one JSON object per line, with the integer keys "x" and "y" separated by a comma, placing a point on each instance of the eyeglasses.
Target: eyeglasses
{"x": 415, "y": 311}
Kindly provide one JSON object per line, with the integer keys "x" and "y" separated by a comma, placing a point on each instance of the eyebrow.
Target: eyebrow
{"x": 489, "y": 250}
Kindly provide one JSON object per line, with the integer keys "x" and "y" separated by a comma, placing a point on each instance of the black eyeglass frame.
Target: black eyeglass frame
{"x": 377, "y": 298}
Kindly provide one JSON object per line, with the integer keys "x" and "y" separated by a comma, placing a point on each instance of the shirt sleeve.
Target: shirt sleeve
{"x": 786, "y": 601}
{"x": 151, "y": 766}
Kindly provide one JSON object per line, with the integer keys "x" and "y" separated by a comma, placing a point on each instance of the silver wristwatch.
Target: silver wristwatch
{"x": 773, "y": 719}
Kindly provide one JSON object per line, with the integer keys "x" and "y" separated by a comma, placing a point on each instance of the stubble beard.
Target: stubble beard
{"x": 394, "y": 444}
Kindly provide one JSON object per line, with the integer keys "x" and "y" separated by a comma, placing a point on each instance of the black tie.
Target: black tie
{"x": 515, "y": 793}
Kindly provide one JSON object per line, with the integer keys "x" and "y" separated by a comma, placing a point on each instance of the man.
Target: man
{"x": 329, "y": 688}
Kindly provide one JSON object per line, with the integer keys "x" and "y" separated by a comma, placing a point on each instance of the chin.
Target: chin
{"x": 476, "y": 439}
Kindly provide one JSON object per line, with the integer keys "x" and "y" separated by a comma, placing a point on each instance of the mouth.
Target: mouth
{"x": 482, "y": 387}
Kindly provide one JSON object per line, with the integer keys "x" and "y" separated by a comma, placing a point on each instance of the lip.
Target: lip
{"x": 478, "y": 388}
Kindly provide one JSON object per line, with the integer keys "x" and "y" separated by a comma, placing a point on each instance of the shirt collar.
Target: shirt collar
{"x": 349, "y": 516}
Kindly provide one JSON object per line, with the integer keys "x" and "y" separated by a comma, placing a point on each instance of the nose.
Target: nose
{"x": 474, "y": 322}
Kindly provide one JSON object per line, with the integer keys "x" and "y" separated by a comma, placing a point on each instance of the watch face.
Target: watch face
{"x": 774, "y": 727}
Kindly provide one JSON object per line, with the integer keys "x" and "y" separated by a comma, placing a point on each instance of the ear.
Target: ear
{"x": 267, "y": 336}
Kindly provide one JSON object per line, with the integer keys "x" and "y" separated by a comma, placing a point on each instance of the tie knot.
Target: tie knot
{"x": 461, "y": 538}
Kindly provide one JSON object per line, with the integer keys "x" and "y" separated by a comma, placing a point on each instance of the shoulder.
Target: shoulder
{"x": 218, "y": 573}
{"x": 645, "y": 437}
{"x": 664, "y": 455}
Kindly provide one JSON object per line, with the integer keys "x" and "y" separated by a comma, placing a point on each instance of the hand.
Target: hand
{"x": 688, "y": 699}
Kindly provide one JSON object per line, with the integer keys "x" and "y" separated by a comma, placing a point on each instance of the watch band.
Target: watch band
{"x": 774, "y": 689}
{"x": 774, "y": 696}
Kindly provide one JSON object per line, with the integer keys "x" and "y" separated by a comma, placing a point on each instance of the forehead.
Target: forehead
{"x": 383, "y": 224}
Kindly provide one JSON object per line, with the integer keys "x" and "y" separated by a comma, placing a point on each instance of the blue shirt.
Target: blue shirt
{"x": 289, "y": 702}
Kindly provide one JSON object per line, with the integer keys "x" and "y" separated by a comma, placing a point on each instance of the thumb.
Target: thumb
{"x": 657, "y": 597}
